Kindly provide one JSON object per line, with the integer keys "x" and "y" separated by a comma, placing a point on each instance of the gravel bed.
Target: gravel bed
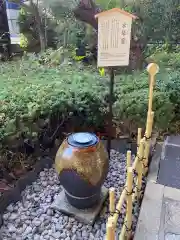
{"x": 32, "y": 218}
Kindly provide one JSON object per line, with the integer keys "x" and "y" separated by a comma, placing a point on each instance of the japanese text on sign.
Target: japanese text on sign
{"x": 114, "y": 33}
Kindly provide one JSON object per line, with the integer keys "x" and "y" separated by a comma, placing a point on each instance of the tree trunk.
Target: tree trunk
{"x": 39, "y": 24}
{"x": 86, "y": 11}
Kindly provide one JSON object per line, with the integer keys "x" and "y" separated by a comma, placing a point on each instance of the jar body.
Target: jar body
{"x": 82, "y": 172}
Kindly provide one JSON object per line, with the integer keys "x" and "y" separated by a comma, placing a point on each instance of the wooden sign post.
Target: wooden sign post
{"x": 114, "y": 37}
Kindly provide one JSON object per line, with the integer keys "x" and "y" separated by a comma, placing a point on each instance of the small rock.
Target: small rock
{"x": 62, "y": 235}
{"x": 58, "y": 227}
{"x": 84, "y": 234}
{"x": 13, "y": 217}
{"x": 6, "y": 216}
{"x": 10, "y": 208}
{"x": 74, "y": 237}
{"x": 42, "y": 174}
{"x": 67, "y": 238}
{"x": 28, "y": 230}
{"x": 44, "y": 184}
{"x": 57, "y": 235}
{"x": 36, "y": 237}
{"x": 12, "y": 228}
{"x": 37, "y": 223}
{"x": 50, "y": 212}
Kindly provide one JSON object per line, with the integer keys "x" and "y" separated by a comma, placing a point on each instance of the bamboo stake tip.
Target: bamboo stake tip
{"x": 112, "y": 189}
{"x": 111, "y": 220}
{"x": 153, "y": 69}
{"x": 130, "y": 169}
{"x": 109, "y": 224}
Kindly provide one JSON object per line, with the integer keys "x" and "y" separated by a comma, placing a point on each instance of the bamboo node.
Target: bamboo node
{"x": 145, "y": 165}
{"x": 135, "y": 172}
{"x": 138, "y": 189}
{"x": 140, "y": 159}
{"x": 126, "y": 227}
{"x": 127, "y": 192}
{"x": 111, "y": 214}
{"x": 147, "y": 138}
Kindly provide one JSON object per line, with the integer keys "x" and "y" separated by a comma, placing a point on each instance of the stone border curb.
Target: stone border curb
{"x": 13, "y": 195}
{"x": 152, "y": 197}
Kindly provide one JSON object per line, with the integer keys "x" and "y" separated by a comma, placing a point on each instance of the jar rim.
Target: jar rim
{"x": 82, "y": 139}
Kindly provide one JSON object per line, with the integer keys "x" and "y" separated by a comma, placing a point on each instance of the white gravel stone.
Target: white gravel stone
{"x": 32, "y": 218}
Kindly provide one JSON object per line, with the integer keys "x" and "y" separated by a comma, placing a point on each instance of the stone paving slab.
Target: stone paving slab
{"x": 160, "y": 210}
{"x": 159, "y": 217}
{"x": 154, "y": 166}
{"x": 150, "y": 209}
{"x": 169, "y": 168}
{"x": 170, "y": 217}
{"x": 172, "y": 193}
{"x": 172, "y": 236}
{"x": 173, "y": 140}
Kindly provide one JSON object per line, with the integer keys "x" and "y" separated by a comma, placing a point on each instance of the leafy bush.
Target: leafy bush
{"x": 167, "y": 59}
{"x": 30, "y": 92}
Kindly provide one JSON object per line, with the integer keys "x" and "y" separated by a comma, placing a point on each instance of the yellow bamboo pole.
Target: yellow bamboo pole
{"x": 128, "y": 160}
{"x": 110, "y": 230}
{"x": 152, "y": 69}
{"x": 128, "y": 222}
{"x": 119, "y": 206}
{"x": 141, "y": 152}
{"x": 135, "y": 163}
{"x": 140, "y": 157}
{"x": 112, "y": 200}
{"x": 123, "y": 194}
{"x": 148, "y": 142}
{"x": 139, "y": 136}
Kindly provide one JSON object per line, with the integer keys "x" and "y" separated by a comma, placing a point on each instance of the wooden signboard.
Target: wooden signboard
{"x": 114, "y": 36}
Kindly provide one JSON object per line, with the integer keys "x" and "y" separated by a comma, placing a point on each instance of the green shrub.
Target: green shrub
{"x": 167, "y": 59}
{"x": 32, "y": 92}
{"x": 29, "y": 92}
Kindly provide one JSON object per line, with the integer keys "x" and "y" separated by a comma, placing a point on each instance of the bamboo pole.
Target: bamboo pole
{"x": 110, "y": 230}
{"x": 119, "y": 206}
{"x": 135, "y": 163}
{"x": 152, "y": 69}
{"x": 141, "y": 152}
{"x": 123, "y": 194}
{"x": 140, "y": 157}
{"x": 139, "y": 137}
{"x": 128, "y": 222}
{"x": 128, "y": 160}
{"x": 148, "y": 142}
{"x": 112, "y": 200}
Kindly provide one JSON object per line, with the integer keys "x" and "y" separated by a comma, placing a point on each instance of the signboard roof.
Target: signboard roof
{"x": 116, "y": 10}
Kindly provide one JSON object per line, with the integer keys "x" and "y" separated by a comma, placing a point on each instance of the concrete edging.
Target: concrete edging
{"x": 152, "y": 202}
{"x": 13, "y": 195}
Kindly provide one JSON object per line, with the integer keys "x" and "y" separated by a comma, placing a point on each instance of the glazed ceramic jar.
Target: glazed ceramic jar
{"x": 82, "y": 164}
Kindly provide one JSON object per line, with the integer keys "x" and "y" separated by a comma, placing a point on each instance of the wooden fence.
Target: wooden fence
{"x": 133, "y": 191}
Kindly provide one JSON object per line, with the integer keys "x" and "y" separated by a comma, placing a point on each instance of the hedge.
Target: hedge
{"x": 29, "y": 92}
